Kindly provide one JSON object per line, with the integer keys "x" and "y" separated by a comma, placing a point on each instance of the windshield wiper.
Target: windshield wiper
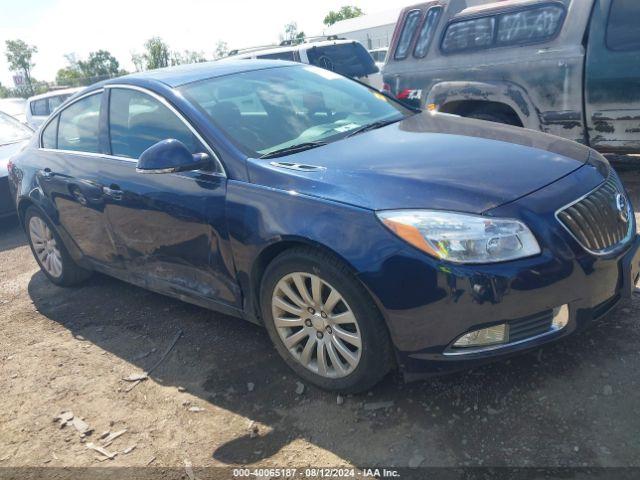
{"x": 298, "y": 147}
{"x": 372, "y": 126}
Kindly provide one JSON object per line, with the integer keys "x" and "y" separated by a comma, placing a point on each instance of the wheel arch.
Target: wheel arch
{"x": 270, "y": 252}
{"x": 464, "y": 97}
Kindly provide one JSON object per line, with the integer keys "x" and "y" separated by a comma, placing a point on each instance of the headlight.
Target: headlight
{"x": 462, "y": 238}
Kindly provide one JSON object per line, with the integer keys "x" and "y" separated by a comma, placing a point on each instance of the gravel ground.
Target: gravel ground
{"x": 222, "y": 397}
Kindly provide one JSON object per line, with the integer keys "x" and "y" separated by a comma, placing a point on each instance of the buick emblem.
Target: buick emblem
{"x": 621, "y": 205}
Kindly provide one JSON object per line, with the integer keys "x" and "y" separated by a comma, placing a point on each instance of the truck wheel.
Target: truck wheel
{"x": 323, "y": 322}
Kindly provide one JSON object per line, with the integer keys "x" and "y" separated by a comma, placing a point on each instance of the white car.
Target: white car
{"x": 346, "y": 57}
{"x": 39, "y": 107}
{"x": 15, "y": 107}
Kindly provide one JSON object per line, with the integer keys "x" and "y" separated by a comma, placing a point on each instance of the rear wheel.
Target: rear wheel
{"x": 323, "y": 323}
{"x": 49, "y": 251}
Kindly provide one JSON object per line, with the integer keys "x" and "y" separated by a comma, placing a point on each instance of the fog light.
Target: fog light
{"x": 560, "y": 317}
{"x": 486, "y": 336}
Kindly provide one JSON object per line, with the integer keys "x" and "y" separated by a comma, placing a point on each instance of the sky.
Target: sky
{"x": 59, "y": 27}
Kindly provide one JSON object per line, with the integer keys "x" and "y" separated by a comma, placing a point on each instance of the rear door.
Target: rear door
{"x": 613, "y": 76}
{"x": 70, "y": 157}
{"x": 170, "y": 228}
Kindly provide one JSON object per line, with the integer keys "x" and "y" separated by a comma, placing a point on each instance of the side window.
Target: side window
{"x": 138, "y": 121}
{"x": 278, "y": 56}
{"x": 55, "y": 102}
{"x": 78, "y": 126}
{"x": 623, "y": 31}
{"x": 469, "y": 35}
{"x": 40, "y": 107}
{"x": 426, "y": 32}
{"x": 533, "y": 25}
{"x": 49, "y": 134}
{"x": 408, "y": 30}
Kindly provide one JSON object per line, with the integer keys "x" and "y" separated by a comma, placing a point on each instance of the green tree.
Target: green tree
{"x": 221, "y": 50}
{"x": 186, "y": 57}
{"x": 100, "y": 65}
{"x": 69, "y": 77}
{"x": 291, "y": 33}
{"x": 157, "y": 53}
{"x": 19, "y": 56}
{"x": 4, "y": 91}
{"x": 345, "y": 12}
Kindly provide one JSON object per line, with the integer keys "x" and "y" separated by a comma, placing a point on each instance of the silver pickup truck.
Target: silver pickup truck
{"x": 566, "y": 67}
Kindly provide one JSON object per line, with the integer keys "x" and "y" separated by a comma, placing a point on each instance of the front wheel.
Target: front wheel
{"x": 323, "y": 323}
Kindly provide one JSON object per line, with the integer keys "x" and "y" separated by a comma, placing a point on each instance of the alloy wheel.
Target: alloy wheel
{"x": 316, "y": 325}
{"x": 45, "y": 247}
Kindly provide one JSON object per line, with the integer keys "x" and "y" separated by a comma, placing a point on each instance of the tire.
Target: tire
{"x": 495, "y": 117}
{"x": 59, "y": 268}
{"x": 373, "y": 358}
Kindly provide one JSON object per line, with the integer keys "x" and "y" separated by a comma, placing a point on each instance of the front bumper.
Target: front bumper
{"x": 437, "y": 302}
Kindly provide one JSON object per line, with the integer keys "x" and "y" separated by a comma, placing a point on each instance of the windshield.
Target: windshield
{"x": 11, "y": 130}
{"x": 267, "y": 110}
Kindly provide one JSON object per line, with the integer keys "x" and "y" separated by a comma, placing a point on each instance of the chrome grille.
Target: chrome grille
{"x": 595, "y": 220}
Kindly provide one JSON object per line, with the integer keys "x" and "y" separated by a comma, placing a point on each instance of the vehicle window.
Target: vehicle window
{"x": 55, "y": 102}
{"x": 532, "y": 25}
{"x": 348, "y": 59}
{"x": 78, "y": 126}
{"x": 408, "y": 30}
{"x": 298, "y": 104}
{"x": 469, "y": 34}
{"x": 11, "y": 130}
{"x": 426, "y": 32}
{"x": 277, "y": 56}
{"x": 623, "y": 32}
{"x": 50, "y": 134}
{"x": 40, "y": 107}
{"x": 138, "y": 121}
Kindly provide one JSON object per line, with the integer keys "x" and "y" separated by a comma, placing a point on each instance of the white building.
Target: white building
{"x": 373, "y": 31}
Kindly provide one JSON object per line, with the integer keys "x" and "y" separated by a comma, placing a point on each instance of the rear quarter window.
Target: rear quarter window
{"x": 623, "y": 26}
{"x": 50, "y": 135}
{"x": 469, "y": 34}
{"x": 531, "y": 25}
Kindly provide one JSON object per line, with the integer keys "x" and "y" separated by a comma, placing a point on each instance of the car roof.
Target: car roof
{"x": 249, "y": 52}
{"x": 55, "y": 93}
{"x": 183, "y": 74}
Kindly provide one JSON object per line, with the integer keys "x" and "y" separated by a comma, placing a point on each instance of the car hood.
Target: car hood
{"x": 435, "y": 161}
{"x": 6, "y": 152}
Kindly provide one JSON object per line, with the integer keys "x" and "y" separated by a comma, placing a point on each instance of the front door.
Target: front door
{"x": 170, "y": 229}
{"x": 613, "y": 76}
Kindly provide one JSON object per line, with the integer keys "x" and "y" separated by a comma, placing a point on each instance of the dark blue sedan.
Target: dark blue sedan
{"x": 362, "y": 234}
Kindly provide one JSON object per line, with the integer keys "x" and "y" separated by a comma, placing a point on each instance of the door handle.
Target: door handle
{"x": 113, "y": 191}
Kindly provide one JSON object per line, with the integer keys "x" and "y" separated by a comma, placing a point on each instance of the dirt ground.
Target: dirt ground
{"x": 222, "y": 397}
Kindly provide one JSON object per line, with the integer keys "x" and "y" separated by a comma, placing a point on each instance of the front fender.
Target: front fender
{"x": 507, "y": 93}
{"x": 260, "y": 217}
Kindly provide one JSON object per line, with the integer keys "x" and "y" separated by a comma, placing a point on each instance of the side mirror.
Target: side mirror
{"x": 171, "y": 156}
